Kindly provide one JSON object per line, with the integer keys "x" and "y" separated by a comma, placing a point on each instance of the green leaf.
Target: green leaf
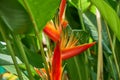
{"x": 42, "y": 10}
{"x": 76, "y": 68}
{"x": 15, "y": 16}
{"x": 73, "y": 68}
{"x": 117, "y": 48}
{"x": 84, "y": 4}
{"x": 34, "y": 58}
{"x": 91, "y": 26}
{"x": 7, "y": 60}
{"x": 113, "y": 3}
{"x": 2, "y": 70}
{"x": 109, "y": 15}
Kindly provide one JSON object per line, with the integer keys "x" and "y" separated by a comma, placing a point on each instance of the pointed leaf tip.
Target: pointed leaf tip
{"x": 71, "y": 52}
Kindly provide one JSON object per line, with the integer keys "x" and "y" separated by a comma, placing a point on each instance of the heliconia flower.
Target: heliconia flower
{"x": 56, "y": 71}
{"x": 66, "y": 47}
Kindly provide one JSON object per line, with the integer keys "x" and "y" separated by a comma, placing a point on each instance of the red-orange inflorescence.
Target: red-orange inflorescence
{"x": 62, "y": 53}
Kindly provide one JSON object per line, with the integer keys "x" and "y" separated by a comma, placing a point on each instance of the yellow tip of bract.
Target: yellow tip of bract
{"x": 71, "y": 52}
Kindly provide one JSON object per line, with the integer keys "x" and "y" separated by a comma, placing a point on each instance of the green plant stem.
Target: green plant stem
{"x": 78, "y": 69}
{"x": 100, "y": 54}
{"x": 80, "y": 12}
{"x": 39, "y": 36}
{"x": 22, "y": 52}
{"x": 11, "y": 53}
{"x": 112, "y": 44}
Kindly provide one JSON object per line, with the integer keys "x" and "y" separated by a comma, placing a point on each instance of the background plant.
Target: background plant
{"x": 21, "y": 37}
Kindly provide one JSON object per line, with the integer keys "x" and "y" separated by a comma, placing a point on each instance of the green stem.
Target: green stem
{"x": 11, "y": 53}
{"x": 80, "y": 12}
{"x": 22, "y": 52}
{"x": 100, "y": 54}
{"x": 77, "y": 67}
{"x": 39, "y": 37}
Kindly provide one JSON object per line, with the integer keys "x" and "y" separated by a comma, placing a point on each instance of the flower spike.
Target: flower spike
{"x": 73, "y": 51}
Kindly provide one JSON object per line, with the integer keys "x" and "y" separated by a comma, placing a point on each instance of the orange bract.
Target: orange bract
{"x": 52, "y": 32}
{"x": 56, "y": 64}
{"x": 62, "y": 10}
{"x": 73, "y": 51}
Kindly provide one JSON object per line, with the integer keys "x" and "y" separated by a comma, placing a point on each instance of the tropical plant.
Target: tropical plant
{"x": 59, "y": 40}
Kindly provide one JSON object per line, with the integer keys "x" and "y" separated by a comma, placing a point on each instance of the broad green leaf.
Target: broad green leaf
{"x": 73, "y": 69}
{"x": 77, "y": 68}
{"x": 91, "y": 26}
{"x": 7, "y": 60}
{"x": 42, "y": 10}
{"x": 109, "y": 15}
{"x": 84, "y": 4}
{"x": 15, "y": 16}
{"x": 113, "y": 3}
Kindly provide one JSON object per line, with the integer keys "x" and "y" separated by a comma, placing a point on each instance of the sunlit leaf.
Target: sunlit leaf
{"x": 113, "y": 20}
{"x": 91, "y": 26}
